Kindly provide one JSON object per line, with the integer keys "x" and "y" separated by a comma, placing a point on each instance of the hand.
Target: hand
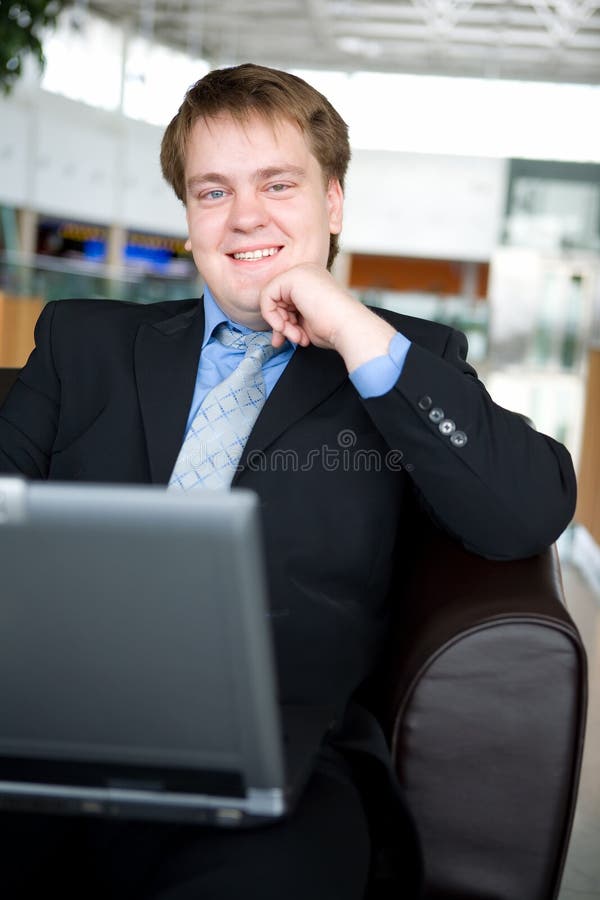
{"x": 307, "y": 306}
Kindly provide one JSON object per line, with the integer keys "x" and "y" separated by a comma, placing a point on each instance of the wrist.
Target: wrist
{"x": 363, "y": 337}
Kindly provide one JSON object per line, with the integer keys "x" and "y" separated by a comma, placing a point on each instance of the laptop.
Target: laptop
{"x": 137, "y": 674}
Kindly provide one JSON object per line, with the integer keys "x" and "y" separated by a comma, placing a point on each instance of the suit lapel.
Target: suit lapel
{"x": 166, "y": 361}
{"x": 310, "y": 376}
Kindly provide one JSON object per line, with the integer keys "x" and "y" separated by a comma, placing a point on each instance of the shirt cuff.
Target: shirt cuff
{"x": 379, "y": 375}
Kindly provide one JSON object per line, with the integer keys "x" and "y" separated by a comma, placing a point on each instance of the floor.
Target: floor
{"x": 581, "y": 880}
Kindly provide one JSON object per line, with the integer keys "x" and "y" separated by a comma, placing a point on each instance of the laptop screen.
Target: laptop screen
{"x": 134, "y": 633}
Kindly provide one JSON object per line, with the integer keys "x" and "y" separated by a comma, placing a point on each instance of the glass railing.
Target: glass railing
{"x": 55, "y": 278}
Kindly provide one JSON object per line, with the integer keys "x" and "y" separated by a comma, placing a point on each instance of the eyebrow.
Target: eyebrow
{"x": 259, "y": 175}
{"x": 277, "y": 171}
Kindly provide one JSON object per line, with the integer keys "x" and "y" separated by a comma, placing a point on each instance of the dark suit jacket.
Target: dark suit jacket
{"x": 105, "y": 398}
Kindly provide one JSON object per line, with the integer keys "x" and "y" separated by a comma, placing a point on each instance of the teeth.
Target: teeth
{"x": 256, "y": 254}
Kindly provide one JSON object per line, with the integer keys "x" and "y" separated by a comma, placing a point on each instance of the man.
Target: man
{"x": 364, "y": 412}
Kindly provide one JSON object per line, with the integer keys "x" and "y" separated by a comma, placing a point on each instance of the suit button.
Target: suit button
{"x": 447, "y": 427}
{"x": 459, "y": 439}
{"x": 425, "y": 402}
{"x": 436, "y": 415}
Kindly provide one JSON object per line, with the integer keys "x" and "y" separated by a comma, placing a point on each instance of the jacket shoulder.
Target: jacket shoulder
{"x": 76, "y": 310}
{"x": 95, "y": 321}
{"x": 84, "y": 330}
{"x": 432, "y": 335}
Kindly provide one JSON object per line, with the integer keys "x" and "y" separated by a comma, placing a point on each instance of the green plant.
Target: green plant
{"x": 21, "y": 32}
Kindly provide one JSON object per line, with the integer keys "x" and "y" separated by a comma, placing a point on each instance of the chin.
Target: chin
{"x": 245, "y": 309}
{"x": 249, "y": 301}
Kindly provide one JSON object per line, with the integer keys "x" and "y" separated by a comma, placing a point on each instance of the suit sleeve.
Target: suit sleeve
{"x": 483, "y": 474}
{"x": 29, "y": 416}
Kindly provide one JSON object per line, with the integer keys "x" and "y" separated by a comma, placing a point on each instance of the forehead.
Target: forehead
{"x": 251, "y": 138}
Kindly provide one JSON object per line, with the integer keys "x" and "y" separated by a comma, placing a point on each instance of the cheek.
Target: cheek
{"x": 204, "y": 229}
{"x": 307, "y": 224}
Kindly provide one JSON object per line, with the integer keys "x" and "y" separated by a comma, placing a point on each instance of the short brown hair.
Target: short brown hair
{"x": 247, "y": 90}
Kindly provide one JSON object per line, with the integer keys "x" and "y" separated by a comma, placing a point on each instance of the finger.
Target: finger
{"x": 295, "y": 334}
{"x": 274, "y": 317}
{"x": 289, "y": 332}
{"x": 276, "y": 295}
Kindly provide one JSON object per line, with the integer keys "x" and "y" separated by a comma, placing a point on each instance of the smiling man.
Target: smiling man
{"x": 376, "y": 414}
{"x": 248, "y": 221}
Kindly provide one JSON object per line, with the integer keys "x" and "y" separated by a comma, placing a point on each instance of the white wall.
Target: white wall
{"x": 424, "y": 205}
{"x": 63, "y": 158}
{"x": 14, "y": 153}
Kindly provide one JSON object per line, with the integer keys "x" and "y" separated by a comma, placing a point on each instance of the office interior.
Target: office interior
{"x": 473, "y": 198}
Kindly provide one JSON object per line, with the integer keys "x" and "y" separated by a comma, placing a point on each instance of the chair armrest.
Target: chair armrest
{"x": 485, "y": 714}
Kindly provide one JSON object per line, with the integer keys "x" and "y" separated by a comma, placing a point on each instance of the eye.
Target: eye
{"x": 215, "y": 194}
{"x": 278, "y": 188}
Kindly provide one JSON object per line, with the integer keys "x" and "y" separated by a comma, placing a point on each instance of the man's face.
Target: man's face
{"x": 256, "y": 205}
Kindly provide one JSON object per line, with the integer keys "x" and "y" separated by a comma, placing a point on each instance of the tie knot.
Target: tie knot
{"x": 256, "y": 344}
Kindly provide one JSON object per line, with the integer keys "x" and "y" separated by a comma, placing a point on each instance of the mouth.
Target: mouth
{"x": 253, "y": 255}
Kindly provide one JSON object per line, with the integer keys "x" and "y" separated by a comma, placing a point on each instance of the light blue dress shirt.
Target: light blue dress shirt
{"x": 379, "y": 375}
{"x": 372, "y": 379}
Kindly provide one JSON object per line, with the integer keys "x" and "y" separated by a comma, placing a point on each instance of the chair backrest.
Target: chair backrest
{"x": 7, "y": 379}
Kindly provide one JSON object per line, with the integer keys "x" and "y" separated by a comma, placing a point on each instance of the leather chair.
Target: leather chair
{"x": 482, "y": 695}
{"x": 483, "y": 700}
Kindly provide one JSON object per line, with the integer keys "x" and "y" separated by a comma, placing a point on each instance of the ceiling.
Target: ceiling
{"x": 539, "y": 40}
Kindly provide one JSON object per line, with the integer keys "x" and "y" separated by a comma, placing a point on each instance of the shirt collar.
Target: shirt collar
{"x": 214, "y": 315}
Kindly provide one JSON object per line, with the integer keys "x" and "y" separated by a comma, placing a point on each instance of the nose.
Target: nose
{"x": 247, "y": 211}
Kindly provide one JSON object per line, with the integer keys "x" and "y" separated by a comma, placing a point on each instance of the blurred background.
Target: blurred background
{"x": 473, "y": 196}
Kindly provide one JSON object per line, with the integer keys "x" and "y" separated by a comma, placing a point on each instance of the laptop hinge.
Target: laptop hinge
{"x": 268, "y": 801}
{"x": 13, "y": 506}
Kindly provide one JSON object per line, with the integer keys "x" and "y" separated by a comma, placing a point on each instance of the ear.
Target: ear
{"x": 188, "y": 245}
{"x": 335, "y": 205}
